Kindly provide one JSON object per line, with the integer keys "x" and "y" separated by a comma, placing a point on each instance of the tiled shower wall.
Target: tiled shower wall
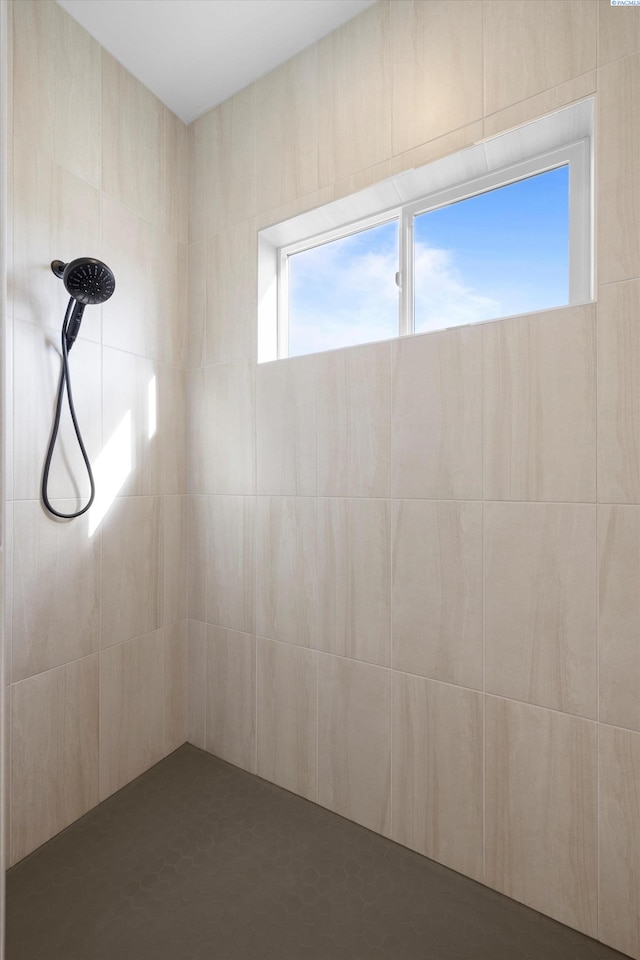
{"x": 414, "y": 591}
{"x": 96, "y": 607}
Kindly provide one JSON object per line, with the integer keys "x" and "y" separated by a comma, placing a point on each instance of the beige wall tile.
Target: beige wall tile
{"x": 619, "y": 871}
{"x": 133, "y": 156}
{"x": 197, "y": 564}
{"x": 197, "y": 305}
{"x": 437, "y": 590}
{"x": 171, "y": 413}
{"x": 354, "y": 741}
{"x": 540, "y": 604}
{"x": 438, "y": 772}
{"x": 230, "y": 180}
{"x": 437, "y": 149}
{"x": 354, "y": 413}
{"x": 56, "y": 589}
{"x": 231, "y": 294}
{"x": 540, "y": 406}
{"x": 231, "y": 696}
{"x": 34, "y": 72}
{"x": 436, "y": 63}
{"x": 145, "y": 315}
{"x": 287, "y": 716}
{"x": 130, "y": 393}
{"x": 437, "y": 416}
{"x": 354, "y": 579}
{"x": 541, "y": 823}
{"x": 618, "y": 31}
{"x": 197, "y": 430}
{"x": 54, "y": 752}
{"x": 286, "y": 570}
{"x": 132, "y": 710}
{"x": 175, "y": 566}
{"x": 175, "y": 685}
{"x": 37, "y": 366}
{"x": 619, "y": 614}
{"x": 231, "y": 453}
{"x": 77, "y": 127}
{"x": 287, "y": 131}
{"x": 286, "y": 414}
{"x": 541, "y": 104}
{"x": 56, "y": 216}
{"x": 198, "y": 136}
{"x": 618, "y": 395}
{"x": 354, "y": 95}
{"x": 531, "y": 47}
{"x": 175, "y": 177}
{"x": 618, "y": 189}
{"x": 197, "y": 684}
{"x": 132, "y": 569}
{"x": 230, "y": 545}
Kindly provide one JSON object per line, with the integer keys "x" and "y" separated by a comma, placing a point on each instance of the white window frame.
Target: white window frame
{"x": 567, "y": 137}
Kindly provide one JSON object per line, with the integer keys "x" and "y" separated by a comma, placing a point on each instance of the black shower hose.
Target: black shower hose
{"x": 65, "y": 381}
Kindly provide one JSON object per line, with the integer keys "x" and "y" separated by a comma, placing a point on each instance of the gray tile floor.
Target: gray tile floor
{"x": 197, "y": 860}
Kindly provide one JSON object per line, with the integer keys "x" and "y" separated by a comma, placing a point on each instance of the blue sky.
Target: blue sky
{"x": 497, "y": 254}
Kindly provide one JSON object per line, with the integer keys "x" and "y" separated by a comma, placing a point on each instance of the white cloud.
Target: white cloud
{"x": 442, "y": 299}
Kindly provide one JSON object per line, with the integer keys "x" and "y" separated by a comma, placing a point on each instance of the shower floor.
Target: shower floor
{"x": 198, "y": 860}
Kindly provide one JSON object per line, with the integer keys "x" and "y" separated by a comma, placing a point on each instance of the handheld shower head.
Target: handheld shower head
{"x": 88, "y": 281}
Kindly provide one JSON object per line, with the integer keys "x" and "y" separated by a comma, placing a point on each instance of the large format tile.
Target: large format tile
{"x": 541, "y": 819}
{"x": 434, "y": 46}
{"x": 540, "y": 406}
{"x": 129, "y": 424}
{"x": 197, "y": 176}
{"x": 618, "y": 188}
{"x": 56, "y": 217}
{"x": 132, "y": 710}
{"x": 619, "y": 862}
{"x": 230, "y": 562}
{"x": 133, "y": 154}
{"x": 286, "y": 574}
{"x": 619, "y": 614}
{"x": 231, "y": 276}
{"x": 354, "y": 95}
{"x": 354, "y": 407}
{"x": 540, "y": 604}
{"x": 578, "y": 88}
{"x": 437, "y": 590}
{"x": 618, "y": 31}
{"x": 354, "y": 579}
{"x": 287, "y": 716}
{"x": 230, "y": 410}
{"x": 437, "y": 416}
{"x": 231, "y": 696}
{"x": 175, "y": 177}
{"x": 197, "y": 541}
{"x": 354, "y": 741}
{"x": 54, "y": 752}
{"x": 197, "y": 430}
{"x": 132, "y": 569}
{"x": 171, "y": 422}
{"x": 230, "y": 151}
{"x": 56, "y": 589}
{"x": 287, "y": 131}
{"x": 197, "y": 684}
{"x": 286, "y": 408}
{"x": 175, "y": 598}
{"x": 530, "y": 47}
{"x": 37, "y": 365}
{"x": 175, "y": 685}
{"x": 438, "y": 772}
{"x": 618, "y": 395}
{"x": 196, "y": 304}
{"x": 35, "y": 26}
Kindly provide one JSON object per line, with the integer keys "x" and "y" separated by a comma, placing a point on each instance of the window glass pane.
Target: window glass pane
{"x": 344, "y": 292}
{"x": 500, "y": 253}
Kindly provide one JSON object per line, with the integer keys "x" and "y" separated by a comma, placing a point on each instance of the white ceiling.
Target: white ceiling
{"x": 193, "y": 54}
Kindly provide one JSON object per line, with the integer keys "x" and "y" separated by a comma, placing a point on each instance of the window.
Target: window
{"x": 464, "y": 240}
